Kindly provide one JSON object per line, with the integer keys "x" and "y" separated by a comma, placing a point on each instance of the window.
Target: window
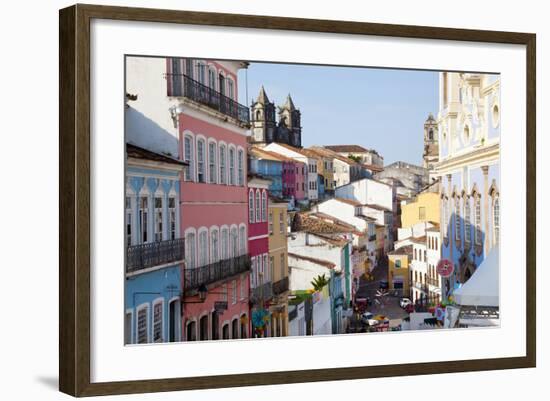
{"x": 281, "y": 223}
{"x": 271, "y": 263}
{"x": 425, "y": 255}
{"x": 188, "y": 157}
{"x": 143, "y": 220}
{"x": 242, "y": 240}
{"x": 243, "y": 287}
{"x": 234, "y": 242}
{"x": 190, "y": 253}
{"x": 128, "y": 328}
{"x": 201, "y": 173}
{"x": 231, "y": 166}
{"x": 422, "y": 213}
{"x": 264, "y": 205}
{"x": 251, "y": 206}
{"x": 143, "y": 325}
{"x": 270, "y": 222}
{"x": 212, "y": 78}
{"x": 192, "y": 331}
{"x": 258, "y": 206}
{"x": 223, "y": 177}
{"x": 467, "y": 222}
{"x": 214, "y": 246}
{"x": 224, "y": 293}
{"x": 458, "y": 224}
{"x": 496, "y": 219}
{"x": 268, "y": 271}
{"x": 203, "y": 328}
{"x": 415, "y": 255}
{"x": 243, "y": 326}
{"x": 158, "y": 219}
{"x": 230, "y": 89}
{"x": 203, "y": 248}
{"x": 398, "y": 262}
{"x": 157, "y": 322}
{"x": 234, "y": 292}
{"x": 477, "y": 211}
{"x": 225, "y": 328}
{"x": 225, "y": 243}
{"x": 172, "y": 217}
{"x": 235, "y": 325}
{"x": 240, "y": 167}
{"x": 283, "y": 266}
{"x": 128, "y": 221}
{"x": 201, "y": 72}
{"x": 212, "y": 162}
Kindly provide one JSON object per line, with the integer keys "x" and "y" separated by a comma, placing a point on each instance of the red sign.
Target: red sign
{"x": 445, "y": 268}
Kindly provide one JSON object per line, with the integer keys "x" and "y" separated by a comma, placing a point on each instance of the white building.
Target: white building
{"x": 299, "y": 155}
{"x": 368, "y": 192}
{"x": 366, "y": 156}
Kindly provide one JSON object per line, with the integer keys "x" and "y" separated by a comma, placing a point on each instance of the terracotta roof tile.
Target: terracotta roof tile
{"x": 321, "y": 262}
{"x": 137, "y": 152}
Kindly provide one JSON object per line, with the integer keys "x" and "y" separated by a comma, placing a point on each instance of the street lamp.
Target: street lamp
{"x": 203, "y": 292}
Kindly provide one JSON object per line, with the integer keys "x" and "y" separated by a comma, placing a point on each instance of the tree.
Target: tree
{"x": 356, "y": 159}
{"x": 319, "y": 282}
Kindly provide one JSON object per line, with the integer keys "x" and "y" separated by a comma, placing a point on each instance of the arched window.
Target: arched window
{"x": 242, "y": 240}
{"x": 240, "y": 167}
{"x": 230, "y": 89}
{"x": 264, "y": 205}
{"x": 225, "y": 244}
{"x": 458, "y": 222}
{"x": 431, "y": 135}
{"x": 158, "y": 216}
{"x": 212, "y": 78}
{"x": 223, "y": 174}
{"x": 258, "y": 206}
{"x": 477, "y": 221}
{"x": 201, "y": 172}
{"x": 251, "y": 206}
{"x": 212, "y": 171}
{"x": 203, "y": 248}
{"x": 231, "y": 166}
{"x": 214, "y": 246}
{"x": 496, "y": 219}
{"x": 415, "y": 254}
{"x": 190, "y": 250}
{"x": 172, "y": 217}
{"x": 201, "y": 69}
{"x": 234, "y": 242}
{"x": 188, "y": 157}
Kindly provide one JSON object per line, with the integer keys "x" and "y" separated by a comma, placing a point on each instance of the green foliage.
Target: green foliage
{"x": 319, "y": 282}
{"x": 356, "y": 159}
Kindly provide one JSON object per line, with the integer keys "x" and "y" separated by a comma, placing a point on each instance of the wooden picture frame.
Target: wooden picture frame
{"x": 74, "y": 203}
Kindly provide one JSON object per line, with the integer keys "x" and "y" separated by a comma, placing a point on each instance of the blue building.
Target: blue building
{"x": 321, "y": 186}
{"x": 269, "y": 165}
{"x": 337, "y": 302}
{"x": 155, "y": 251}
{"x": 468, "y": 169}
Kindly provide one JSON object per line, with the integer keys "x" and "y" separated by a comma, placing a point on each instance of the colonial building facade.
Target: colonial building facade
{"x": 469, "y": 171}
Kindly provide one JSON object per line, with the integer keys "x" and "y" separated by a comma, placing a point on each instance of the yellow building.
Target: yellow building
{"x": 398, "y": 269}
{"x": 325, "y": 166}
{"x": 424, "y": 208}
{"x": 278, "y": 263}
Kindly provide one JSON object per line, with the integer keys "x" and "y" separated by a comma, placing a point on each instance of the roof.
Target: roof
{"x": 335, "y": 220}
{"x": 404, "y": 250}
{"x": 419, "y": 240}
{"x": 318, "y": 225}
{"x": 262, "y": 96}
{"x": 332, "y": 154}
{"x": 377, "y": 207}
{"x": 372, "y": 167}
{"x": 347, "y": 148}
{"x": 321, "y": 262}
{"x": 297, "y": 150}
{"x": 349, "y": 201}
{"x": 268, "y": 155}
{"x": 435, "y": 228}
{"x": 137, "y": 152}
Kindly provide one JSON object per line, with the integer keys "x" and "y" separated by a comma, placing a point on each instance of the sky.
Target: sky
{"x": 378, "y": 109}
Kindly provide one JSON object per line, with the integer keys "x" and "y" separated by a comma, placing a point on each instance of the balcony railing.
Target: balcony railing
{"x": 280, "y": 286}
{"x": 182, "y": 85}
{"x": 208, "y": 274}
{"x": 432, "y": 281}
{"x": 420, "y": 286}
{"x": 152, "y": 254}
{"x": 262, "y": 292}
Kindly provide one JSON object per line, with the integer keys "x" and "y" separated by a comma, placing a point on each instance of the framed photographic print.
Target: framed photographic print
{"x": 240, "y": 192}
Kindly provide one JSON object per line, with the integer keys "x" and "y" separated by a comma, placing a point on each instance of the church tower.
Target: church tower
{"x": 290, "y": 118}
{"x": 431, "y": 146}
{"x": 263, "y": 119}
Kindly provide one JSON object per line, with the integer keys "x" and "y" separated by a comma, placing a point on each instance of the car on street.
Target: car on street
{"x": 404, "y": 302}
{"x": 368, "y": 318}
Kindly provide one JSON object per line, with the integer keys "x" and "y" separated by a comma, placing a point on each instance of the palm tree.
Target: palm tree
{"x": 319, "y": 282}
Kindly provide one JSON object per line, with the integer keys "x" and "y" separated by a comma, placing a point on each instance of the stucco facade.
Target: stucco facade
{"x": 423, "y": 209}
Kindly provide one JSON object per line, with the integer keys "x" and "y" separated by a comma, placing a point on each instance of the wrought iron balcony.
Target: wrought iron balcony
{"x": 181, "y": 85}
{"x": 143, "y": 256}
{"x": 208, "y": 274}
{"x": 263, "y": 292}
{"x": 280, "y": 286}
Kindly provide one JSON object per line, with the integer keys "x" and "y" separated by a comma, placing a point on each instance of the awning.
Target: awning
{"x": 482, "y": 288}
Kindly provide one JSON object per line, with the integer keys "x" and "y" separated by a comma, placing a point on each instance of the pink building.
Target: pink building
{"x": 214, "y": 213}
{"x": 300, "y": 179}
{"x": 258, "y": 248}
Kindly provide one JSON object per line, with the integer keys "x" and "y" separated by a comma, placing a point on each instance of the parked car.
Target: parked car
{"x": 368, "y": 318}
{"x": 404, "y": 302}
